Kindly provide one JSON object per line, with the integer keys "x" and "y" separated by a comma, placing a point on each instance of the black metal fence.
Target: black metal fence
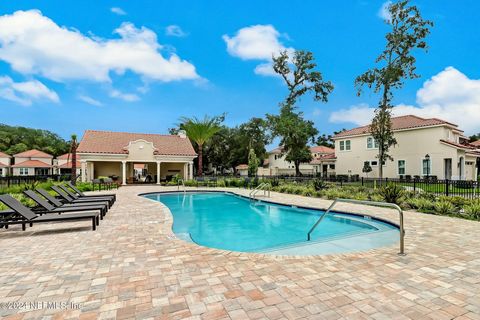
{"x": 461, "y": 188}
{"x": 17, "y": 180}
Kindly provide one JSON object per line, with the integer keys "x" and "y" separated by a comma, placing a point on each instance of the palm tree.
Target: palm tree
{"x": 73, "y": 153}
{"x": 200, "y": 131}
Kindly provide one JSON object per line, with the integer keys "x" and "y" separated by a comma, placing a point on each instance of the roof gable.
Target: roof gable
{"x": 399, "y": 123}
{"x": 34, "y": 153}
{"x": 116, "y": 143}
{"x": 4, "y": 155}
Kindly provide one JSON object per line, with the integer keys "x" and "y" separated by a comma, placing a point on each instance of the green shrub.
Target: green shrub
{"x": 392, "y": 193}
{"x": 472, "y": 210}
{"x": 444, "y": 207}
{"x": 319, "y": 184}
{"x": 458, "y": 202}
{"x": 422, "y": 204}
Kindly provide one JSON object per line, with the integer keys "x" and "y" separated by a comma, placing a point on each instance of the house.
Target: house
{"x": 323, "y": 163}
{"x": 5, "y": 162}
{"x": 32, "y": 163}
{"x": 242, "y": 170}
{"x": 425, "y": 147}
{"x": 63, "y": 164}
{"x": 115, "y": 154}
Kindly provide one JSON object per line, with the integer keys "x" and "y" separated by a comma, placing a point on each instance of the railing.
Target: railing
{"x": 371, "y": 203}
{"x": 262, "y": 186}
{"x": 183, "y": 185}
{"x": 16, "y": 180}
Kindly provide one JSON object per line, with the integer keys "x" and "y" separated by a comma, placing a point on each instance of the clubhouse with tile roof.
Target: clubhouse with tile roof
{"x": 118, "y": 154}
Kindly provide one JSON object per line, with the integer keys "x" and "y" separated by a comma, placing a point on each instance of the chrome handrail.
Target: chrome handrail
{"x": 261, "y": 186}
{"x": 371, "y": 203}
{"x": 183, "y": 184}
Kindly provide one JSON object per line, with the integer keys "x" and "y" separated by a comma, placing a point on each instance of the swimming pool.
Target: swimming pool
{"x": 230, "y": 222}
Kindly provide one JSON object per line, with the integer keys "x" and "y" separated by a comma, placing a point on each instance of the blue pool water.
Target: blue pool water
{"x": 229, "y": 222}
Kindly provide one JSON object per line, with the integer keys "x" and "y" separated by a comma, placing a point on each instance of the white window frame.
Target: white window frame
{"x": 349, "y": 145}
{"x": 373, "y": 165}
{"x": 374, "y": 145}
{"x": 430, "y": 167}
{"x": 342, "y": 145}
{"x": 23, "y": 171}
{"x": 404, "y": 167}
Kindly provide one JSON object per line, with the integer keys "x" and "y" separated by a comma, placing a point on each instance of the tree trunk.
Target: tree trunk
{"x": 297, "y": 169}
{"x": 74, "y": 165}
{"x": 200, "y": 160}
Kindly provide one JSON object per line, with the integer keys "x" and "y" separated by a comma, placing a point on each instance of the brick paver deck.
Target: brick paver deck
{"x": 133, "y": 268}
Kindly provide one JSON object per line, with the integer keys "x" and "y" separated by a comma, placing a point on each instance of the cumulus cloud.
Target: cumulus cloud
{"x": 129, "y": 97}
{"x": 118, "y": 11}
{"x": 34, "y": 44}
{"x": 25, "y": 92}
{"x": 175, "y": 31}
{"x": 90, "y": 100}
{"x": 384, "y": 13}
{"x": 258, "y": 42}
{"x": 450, "y": 95}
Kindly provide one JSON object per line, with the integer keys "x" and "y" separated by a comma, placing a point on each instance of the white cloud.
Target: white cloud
{"x": 34, "y": 44}
{"x": 26, "y": 92}
{"x": 118, "y": 11}
{"x": 384, "y": 13}
{"x": 450, "y": 95}
{"x": 175, "y": 31}
{"x": 258, "y": 42}
{"x": 129, "y": 97}
{"x": 90, "y": 100}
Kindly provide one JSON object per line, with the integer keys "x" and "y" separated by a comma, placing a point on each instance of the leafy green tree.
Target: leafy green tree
{"x": 474, "y": 137}
{"x": 294, "y": 131}
{"x": 396, "y": 63}
{"x": 366, "y": 167}
{"x": 200, "y": 131}
{"x": 253, "y": 163}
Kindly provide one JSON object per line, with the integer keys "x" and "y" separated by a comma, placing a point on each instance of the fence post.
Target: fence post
{"x": 414, "y": 185}
{"x": 362, "y": 181}
{"x": 447, "y": 187}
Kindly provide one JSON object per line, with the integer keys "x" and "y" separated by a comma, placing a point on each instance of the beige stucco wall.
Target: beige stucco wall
{"x": 412, "y": 146}
{"x": 105, "y": 169}
{"x": 4, "y": 171}
{"x": 280, "y": 166}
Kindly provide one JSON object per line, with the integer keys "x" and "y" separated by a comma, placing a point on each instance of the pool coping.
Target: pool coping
{"x": 169, "y": 225}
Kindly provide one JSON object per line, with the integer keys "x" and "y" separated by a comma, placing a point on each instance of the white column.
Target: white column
{"x": 84, "y": 170}
{"x": 190, "y": 170}
{"x": 124, "y": 172}
{"x": 185, "y": 171}
{"x": 158, "y": 171}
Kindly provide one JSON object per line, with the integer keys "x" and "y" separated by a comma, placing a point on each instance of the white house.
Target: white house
{"x": 323, "y": 163}
{"x": 32, "y": 163}
{"x": 425, "y": 147}
{"x": 64, "y": 163}
{"x": 5, "y": 162}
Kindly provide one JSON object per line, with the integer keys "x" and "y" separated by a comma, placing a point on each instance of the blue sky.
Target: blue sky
{"x": 107, "y": 65}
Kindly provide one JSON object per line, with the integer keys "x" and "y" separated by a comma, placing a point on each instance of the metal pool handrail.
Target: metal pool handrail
{"x": 261, "y": 186}
{"x": 183, "y": 184}
{"x": 371, "y": 203}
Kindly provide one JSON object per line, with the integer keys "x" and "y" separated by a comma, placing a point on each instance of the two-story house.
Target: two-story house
{"x": 5, "y": 161}
{"x": 323, "y": 162}
{"x": 425, "y": 147}
{"x": 63, "y": 164}
{"x": 32, "y": 163}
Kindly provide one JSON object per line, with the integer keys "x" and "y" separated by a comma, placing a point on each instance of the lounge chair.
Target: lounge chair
{"x": 71, "y": 200}
{"x": 73, "y": 195}
{"x": 25, "y": 215}
{"x": 81, "y": 194}
{"x": 46, "y": 207}
{"x": 57, "y": 203}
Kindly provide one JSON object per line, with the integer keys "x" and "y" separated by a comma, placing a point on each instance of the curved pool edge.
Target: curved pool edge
{"x": 168, "y": 226}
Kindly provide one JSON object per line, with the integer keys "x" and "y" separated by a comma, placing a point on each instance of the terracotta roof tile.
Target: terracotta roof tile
{"x": 4, "y": 155}
{"x": 475, "y": 143}
{"x": 68, "y": 165}
{"x": 242, "y": 167}
{"x": 398, "y": 123}
{"x": 115, "y": 143}
{"x": 34, "y": 153}
{"x": 3, "y": 165}
{"x": 322, "y": 149}
{"x": 66, "y": 156}
{"x": 31, "y": 164}
{"x": 458, "y": 145}
{"x": 326, "y": 157}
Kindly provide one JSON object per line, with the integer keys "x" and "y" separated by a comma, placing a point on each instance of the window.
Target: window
{"x": 23, "y": 171}
{"x": 345, "y": 145}
{"x": 401, "y": 167}
{"x": 1, "y": 171}
{"x": 426, "y": 167}
{"x": 371, "y": 143}
{"x": 332, "y": 166}
{"x": 374, "y": 163}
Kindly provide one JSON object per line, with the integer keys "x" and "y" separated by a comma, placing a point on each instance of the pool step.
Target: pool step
{"x": 185, "y": 236}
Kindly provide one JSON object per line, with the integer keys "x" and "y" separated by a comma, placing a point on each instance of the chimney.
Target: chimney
{"x": 182, "y": 134}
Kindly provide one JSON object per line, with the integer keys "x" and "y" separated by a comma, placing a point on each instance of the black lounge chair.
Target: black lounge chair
{"x": 71, "y": 200}
{"x": 24, "y": 215}
{"x": 76, "y": 197}
{"x": 46, "y": 207}
{"x": 81, "y": 194}
{"x": 57, "y": 203}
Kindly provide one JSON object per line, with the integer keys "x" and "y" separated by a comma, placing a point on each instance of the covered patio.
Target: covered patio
{"x": 132, "y": 158}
